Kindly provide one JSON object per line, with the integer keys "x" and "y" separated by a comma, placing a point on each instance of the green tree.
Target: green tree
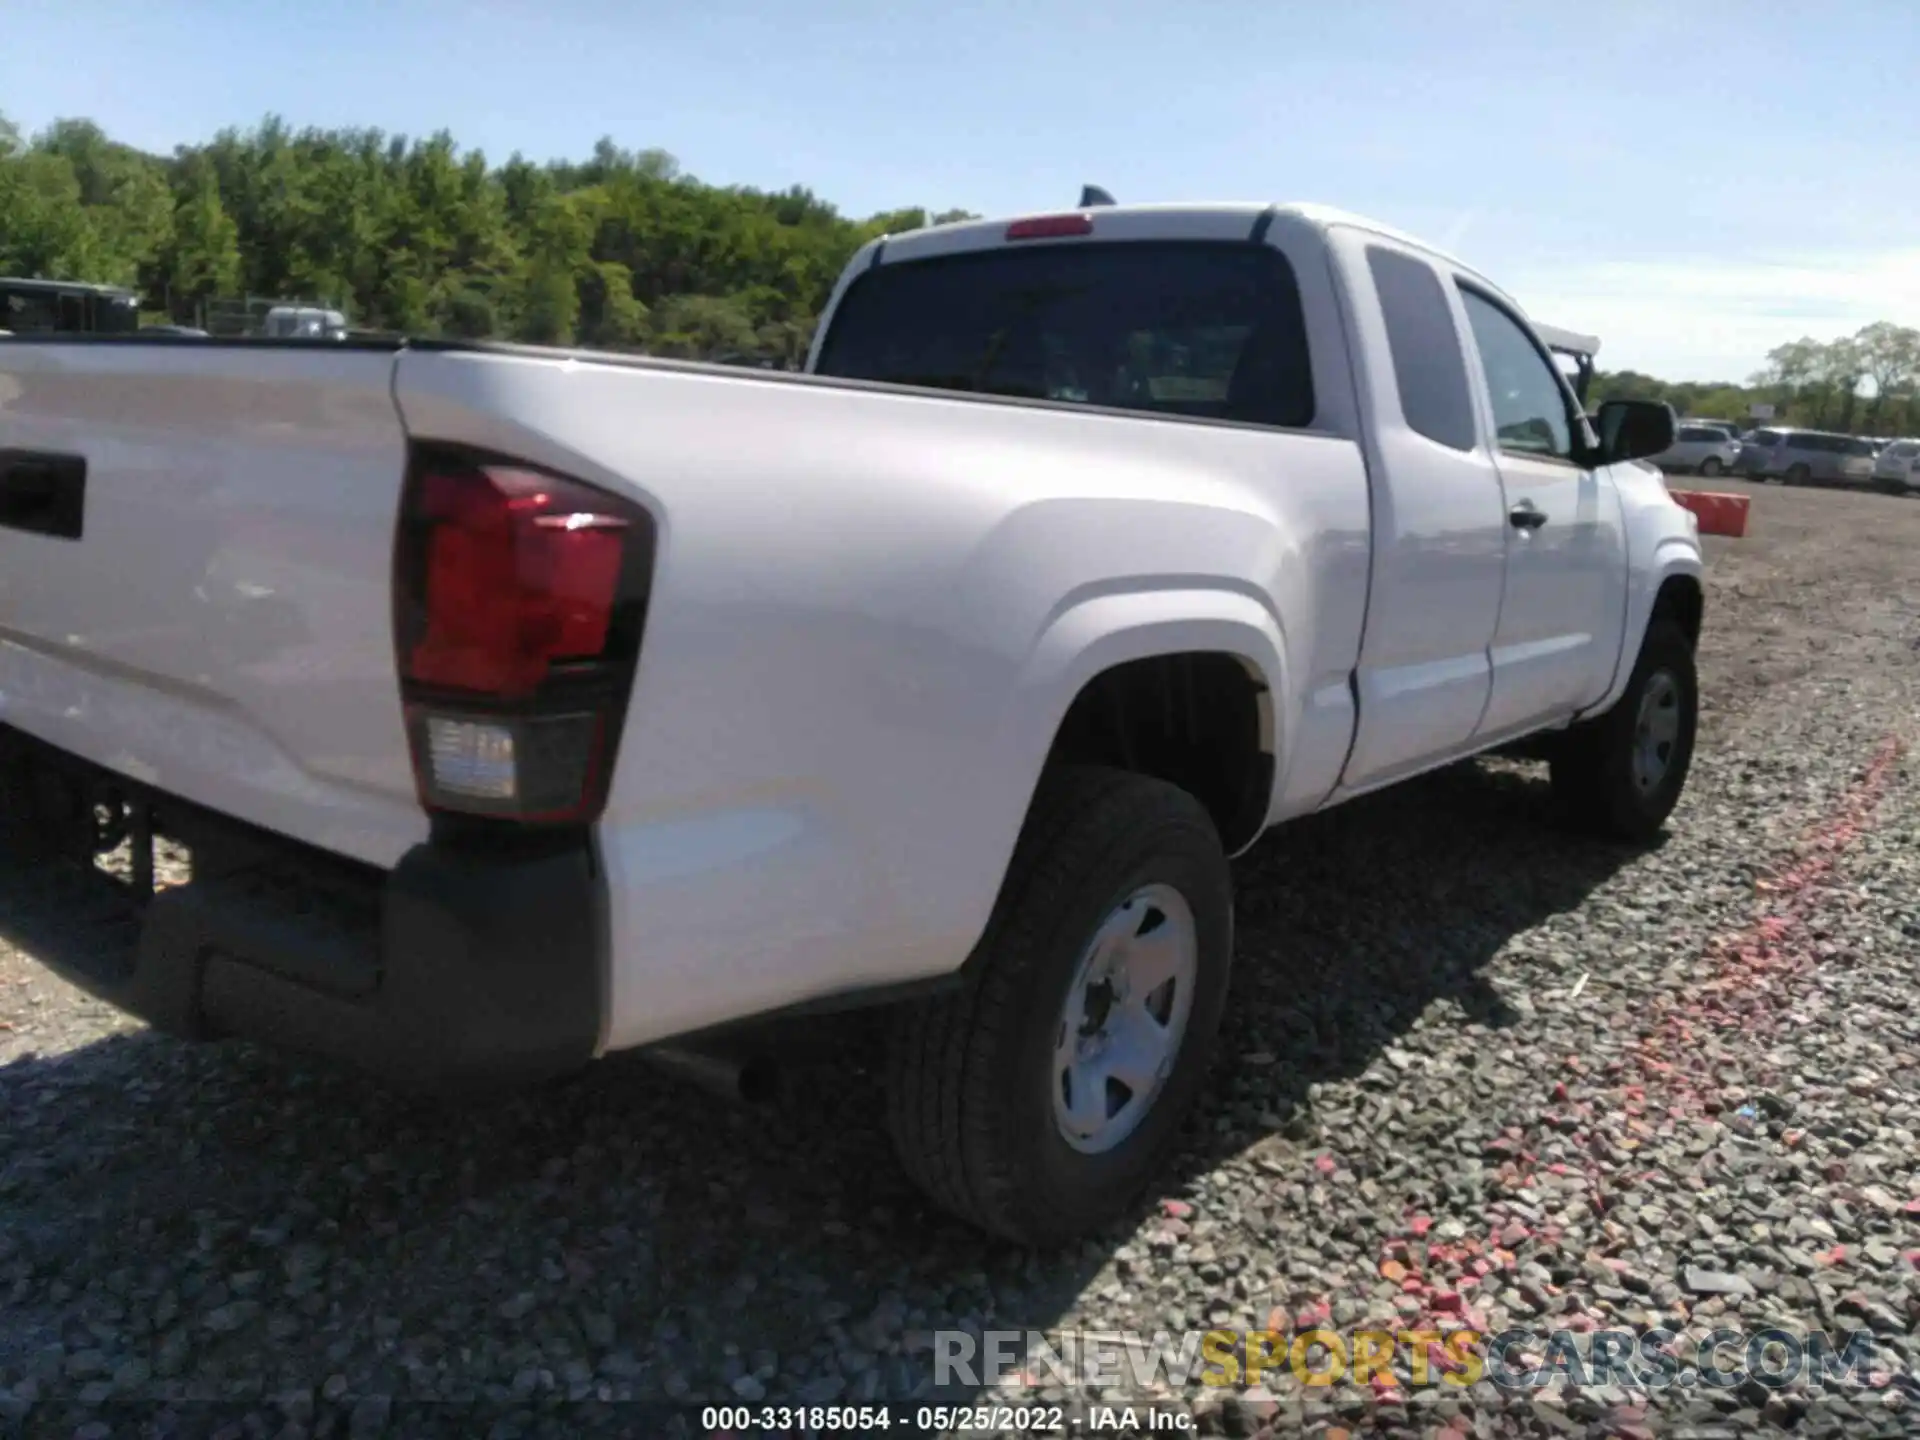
{"x": 201, "y": 256}
{"x": 1890, "y": 355}
{"x": 704, "y": 327}
{"x": 44, "y": 231}
{"x": 470, "y": 316}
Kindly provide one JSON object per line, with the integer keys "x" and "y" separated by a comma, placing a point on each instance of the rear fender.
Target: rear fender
{"x": 1093, "y": 634}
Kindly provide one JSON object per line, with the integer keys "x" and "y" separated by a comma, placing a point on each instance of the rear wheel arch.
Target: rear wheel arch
{"x": 1202, "y": 719}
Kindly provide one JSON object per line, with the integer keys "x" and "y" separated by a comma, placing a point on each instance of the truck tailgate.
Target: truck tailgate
{"x": 220, "y": 626}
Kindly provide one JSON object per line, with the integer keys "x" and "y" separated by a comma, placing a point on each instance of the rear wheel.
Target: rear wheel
{"x": 1798, "y": 475}
{"x": 1038, "y": 1100}
{"x": 1710, "y": 467}
{"x": 1621, "y": 773}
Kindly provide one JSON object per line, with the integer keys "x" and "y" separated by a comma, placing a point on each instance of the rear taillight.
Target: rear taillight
{"x": 1049, "y": 227}
{"x": 520, "y": 597}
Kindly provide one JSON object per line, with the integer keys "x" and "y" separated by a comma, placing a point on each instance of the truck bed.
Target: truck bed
{"x": 851, "y": 578}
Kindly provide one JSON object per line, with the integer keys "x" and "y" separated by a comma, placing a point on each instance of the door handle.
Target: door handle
{"x": 1524, "y": 517}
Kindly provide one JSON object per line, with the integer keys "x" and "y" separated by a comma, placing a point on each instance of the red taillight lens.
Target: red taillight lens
{"x": 521, "y": 573}
{"x": 1047, "y": 227}
{"x": 520, "y": 597}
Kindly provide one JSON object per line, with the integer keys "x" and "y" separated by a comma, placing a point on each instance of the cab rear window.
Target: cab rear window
{"x": 1198, "y": 329}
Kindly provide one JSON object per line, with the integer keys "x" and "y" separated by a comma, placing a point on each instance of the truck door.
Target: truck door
{"x": 1439, "y": 521}
{"x": 1564, "y": 608}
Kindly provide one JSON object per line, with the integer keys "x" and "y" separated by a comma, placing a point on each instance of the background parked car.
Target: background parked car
{"x": 1806, "y": 457}
{"x": 1733, "y": 430}
{"x": 1703, "y": 448}
{"x": 1857, "y": 467}
{"x": 304, "y": 322}
{"x": 1898, "y": 468}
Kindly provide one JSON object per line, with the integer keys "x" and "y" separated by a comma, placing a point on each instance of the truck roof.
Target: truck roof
{"x": 1210, "y": 220}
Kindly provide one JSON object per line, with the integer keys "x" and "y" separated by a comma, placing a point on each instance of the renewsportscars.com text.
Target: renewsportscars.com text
{"x": 1515, "y": 1359}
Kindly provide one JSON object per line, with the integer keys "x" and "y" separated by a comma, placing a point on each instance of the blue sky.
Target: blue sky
{"x": 1694, "y": 180}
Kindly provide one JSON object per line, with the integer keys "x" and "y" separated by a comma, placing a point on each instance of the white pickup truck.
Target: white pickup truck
{"x": 519, "y": 706}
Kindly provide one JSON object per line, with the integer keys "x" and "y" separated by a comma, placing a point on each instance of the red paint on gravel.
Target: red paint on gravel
{"x": 1745, "y": 981}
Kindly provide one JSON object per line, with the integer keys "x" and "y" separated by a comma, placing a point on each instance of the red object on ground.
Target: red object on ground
{"x": 1719, "y": 514}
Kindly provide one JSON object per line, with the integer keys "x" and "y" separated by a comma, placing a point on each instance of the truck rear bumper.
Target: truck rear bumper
{"x": 463, "y": 968}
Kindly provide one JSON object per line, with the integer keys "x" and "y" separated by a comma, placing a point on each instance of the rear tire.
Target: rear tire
{"x": 1798, "y": 475}
{"x": 1620, "y": 774}
{"x": 976, "y": 1089}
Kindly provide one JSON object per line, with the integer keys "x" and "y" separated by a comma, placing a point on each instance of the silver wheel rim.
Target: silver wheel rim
{"x": 1656, "y": 730}
{"x": 1119, "y": 1032}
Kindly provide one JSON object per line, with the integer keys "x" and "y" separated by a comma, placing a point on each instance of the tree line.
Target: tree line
{"x": 620, "y": 251}
{"x": 1814, "y": 383}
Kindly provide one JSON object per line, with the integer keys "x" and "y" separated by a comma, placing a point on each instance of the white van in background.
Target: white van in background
{"x": 304, "y": 322}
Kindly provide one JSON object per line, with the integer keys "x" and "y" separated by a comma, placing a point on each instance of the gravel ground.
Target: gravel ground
{"x": 1476, "y": 1073}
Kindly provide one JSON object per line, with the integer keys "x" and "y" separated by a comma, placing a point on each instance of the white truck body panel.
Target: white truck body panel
{"x": 224, "y": 631}
{"x": 1439, "y": 542}
{"x": 871, "y": 608}
{"x": 767, "y": 840}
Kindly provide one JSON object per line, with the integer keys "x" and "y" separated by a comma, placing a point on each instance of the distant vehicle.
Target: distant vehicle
{"x": 1728, "y": 426}
{"x": 1806, "y": 457}
{"x": 1707, "y": 449}
{"x": 1898, "y": 467}
{"x": 1861, "y": 455}
{"x": 304, "y": 322}
{"x": 66, "y": 307}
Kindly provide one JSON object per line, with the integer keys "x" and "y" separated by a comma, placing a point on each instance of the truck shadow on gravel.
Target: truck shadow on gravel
{"x": 226, "y": 1218}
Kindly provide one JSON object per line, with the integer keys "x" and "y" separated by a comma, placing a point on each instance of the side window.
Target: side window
{"x": 1529, "y": 407}
{"x": 1428, "y": 366}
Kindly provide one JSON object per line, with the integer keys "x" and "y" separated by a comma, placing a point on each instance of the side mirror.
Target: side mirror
{"x": 1633, "y": 429}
